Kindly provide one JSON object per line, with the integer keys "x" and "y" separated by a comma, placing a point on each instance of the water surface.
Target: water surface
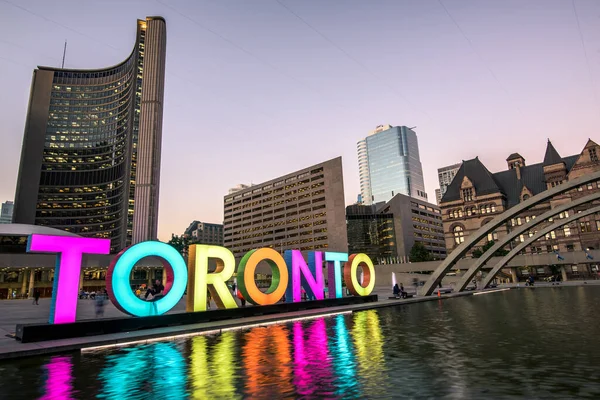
{"x": 531, "y": 343}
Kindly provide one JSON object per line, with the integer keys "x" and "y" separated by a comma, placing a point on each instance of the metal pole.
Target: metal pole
{"x": 64, "y": 54}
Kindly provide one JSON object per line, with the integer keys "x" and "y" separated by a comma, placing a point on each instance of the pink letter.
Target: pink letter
{"x": 310, "y": 276}
{"x": 63, "y": 307}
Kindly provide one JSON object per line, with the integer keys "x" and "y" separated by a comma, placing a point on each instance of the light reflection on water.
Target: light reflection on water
{"x": 521, "y": 343}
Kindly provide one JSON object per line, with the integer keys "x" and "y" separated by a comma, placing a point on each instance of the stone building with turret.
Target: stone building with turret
{"x": 476, "y": 196}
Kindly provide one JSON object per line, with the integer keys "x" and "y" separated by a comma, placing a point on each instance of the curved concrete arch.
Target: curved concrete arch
{"x": 482, "y": 232}
{"x": 540, "y": 219}
{"x": 514, "y": 252}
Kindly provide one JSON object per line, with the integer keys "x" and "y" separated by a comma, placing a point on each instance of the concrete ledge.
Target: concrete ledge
{"x": 27, "y": 333}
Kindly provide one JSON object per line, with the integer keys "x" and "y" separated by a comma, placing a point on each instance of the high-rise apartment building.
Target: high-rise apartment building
{"x": 90, "y": 161}
{"x": 6, "y": 212}
{"x": 389, "y": 164}
{"x": 302, "y": 210}
{"x": 445, "y": 176}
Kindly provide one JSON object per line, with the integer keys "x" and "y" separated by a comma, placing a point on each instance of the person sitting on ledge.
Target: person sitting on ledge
{"x": 403, "y": 293}
{"x": 155, "y": 291}
{"x": 396, "y": 291}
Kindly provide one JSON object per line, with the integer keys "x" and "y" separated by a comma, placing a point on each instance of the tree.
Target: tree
{"x": 479, "y": 252}
{"x": 180, "y": 243}
{"x": 419, "y": 253}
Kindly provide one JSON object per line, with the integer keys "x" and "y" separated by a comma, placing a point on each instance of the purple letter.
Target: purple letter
{"x": 302, "y": 275}
{"x": 63, "y": 307}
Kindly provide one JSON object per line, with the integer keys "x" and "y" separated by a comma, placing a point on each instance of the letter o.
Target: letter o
{"x": 279, "y": 283}
{"x": 119, "y": 271}
{"x": 350, "y": 267}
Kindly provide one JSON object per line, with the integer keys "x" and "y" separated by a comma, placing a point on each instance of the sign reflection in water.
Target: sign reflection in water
{"x": 326, "y": 357}
{"x": 157, "y": 369}
{"x": 343, "y": 359}
{"x": 267, "y": 362}
{"x": 212, "y": 370}
{"x": 368, "y": 342}
{"x": 59, "y": 378}
{"x": 312, "y": 366}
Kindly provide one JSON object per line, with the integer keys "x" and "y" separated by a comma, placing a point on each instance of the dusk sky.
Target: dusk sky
{"x": 260, "y": 88}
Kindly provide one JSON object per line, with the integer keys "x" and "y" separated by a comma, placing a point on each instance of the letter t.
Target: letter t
{"x": 63, "y": 307}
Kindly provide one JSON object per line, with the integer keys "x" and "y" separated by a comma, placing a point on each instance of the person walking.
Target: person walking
{"x": 36, "y": 297}
{"x": 99, "y": 303}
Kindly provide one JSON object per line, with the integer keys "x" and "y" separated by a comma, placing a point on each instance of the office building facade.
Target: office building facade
{"x": 6, "y": 212}
{"x": 302, "y": 210}
{"x": 445, "y": 176}
{"x": 389, "y": 164}
{"x": 90, "y": 161}
{"x": 388, "y": 231}
{"x": 204, "y": 233}
{"x": 372, "y": 233}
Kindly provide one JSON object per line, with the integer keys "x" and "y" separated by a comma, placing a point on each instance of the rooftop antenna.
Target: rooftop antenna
{"x": 64, "y": 54}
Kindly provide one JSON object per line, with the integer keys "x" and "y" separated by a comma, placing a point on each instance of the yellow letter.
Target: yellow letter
{"x": 199, "y": 280}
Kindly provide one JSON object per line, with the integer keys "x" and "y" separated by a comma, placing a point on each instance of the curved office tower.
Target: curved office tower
{"x": 90, "y": 161}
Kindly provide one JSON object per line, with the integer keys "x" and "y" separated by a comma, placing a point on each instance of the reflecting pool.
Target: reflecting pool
{"x": 531, "y": 343}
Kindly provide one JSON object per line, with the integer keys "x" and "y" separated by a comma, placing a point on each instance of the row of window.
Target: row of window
{"x": 279, "y": 183}
{"x": 470, "y": 211}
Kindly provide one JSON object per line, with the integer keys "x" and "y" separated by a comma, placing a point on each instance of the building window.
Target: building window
{"x": 525, "y": 197}
{"x": 567, "y": 231}
{"x": 585, "y": 226}
{"x": 593, "y": 155}
{"x": 574, "y": 269}
{"x": 467, "y": 194}
{"x": 492, "y": 236}
{"x": 598, "y": 225}
{"x": 570, "y": 247}
{"x": 459, "y": 235}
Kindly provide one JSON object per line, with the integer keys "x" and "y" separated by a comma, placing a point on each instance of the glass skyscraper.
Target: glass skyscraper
{"x": 389, "y": 164}
{"x": 90, "y": 161}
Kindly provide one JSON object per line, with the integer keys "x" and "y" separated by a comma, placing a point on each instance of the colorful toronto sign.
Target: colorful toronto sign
{"x": 290, "y": 274}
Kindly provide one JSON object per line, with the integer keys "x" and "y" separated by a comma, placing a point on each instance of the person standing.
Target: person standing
{"x": 241, "y": 297}
{"x": 36, "y": 297}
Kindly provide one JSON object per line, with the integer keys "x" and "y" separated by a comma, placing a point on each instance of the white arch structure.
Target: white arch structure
{"x": 482, "y": 232}
{"x": 500, "y": 264}
{"x": 522, "y": 229}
